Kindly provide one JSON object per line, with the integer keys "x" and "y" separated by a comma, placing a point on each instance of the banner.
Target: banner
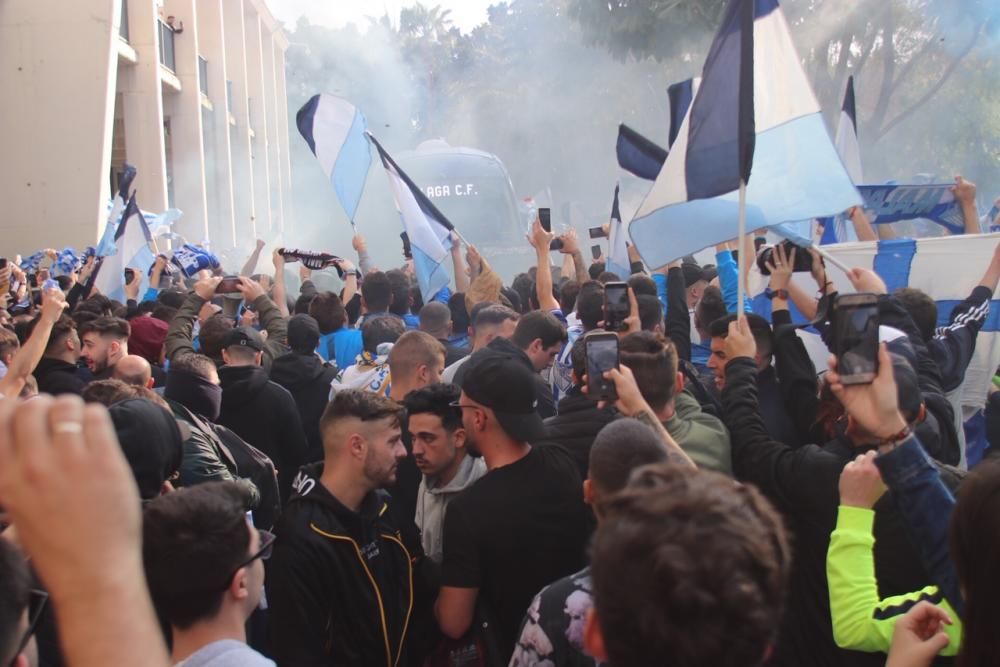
{"x": 886, "y": 204}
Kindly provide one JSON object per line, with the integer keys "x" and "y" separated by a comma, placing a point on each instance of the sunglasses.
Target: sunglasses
{"x": 36, "y": 605}
{"x": 263, "y": 553}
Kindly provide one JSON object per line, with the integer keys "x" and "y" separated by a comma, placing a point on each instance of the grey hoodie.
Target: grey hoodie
{"x": 226, "y": 653}
{"x": 432, "y": 503}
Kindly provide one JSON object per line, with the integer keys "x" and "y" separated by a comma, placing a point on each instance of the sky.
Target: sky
{"x": 465, "y": 14}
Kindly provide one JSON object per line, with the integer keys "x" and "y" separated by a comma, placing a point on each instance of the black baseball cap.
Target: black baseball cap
{"x": 505, "y": 383}
{"x": 692, "y": 273}
{"x": 151, "y": 440}
{"x": 245, "y": 337}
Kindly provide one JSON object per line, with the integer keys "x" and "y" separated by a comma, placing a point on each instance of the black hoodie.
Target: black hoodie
{"x": 307, "y": 378}
{"x": 264, "y": 414}
{"x": 340, "y": 584}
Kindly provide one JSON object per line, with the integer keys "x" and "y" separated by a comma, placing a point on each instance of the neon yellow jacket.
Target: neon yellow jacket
{"x": 861, "y": 621}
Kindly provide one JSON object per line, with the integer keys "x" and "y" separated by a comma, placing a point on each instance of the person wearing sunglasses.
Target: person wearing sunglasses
{"x": 204, "y": 564}
{"x": 20, "y": 608}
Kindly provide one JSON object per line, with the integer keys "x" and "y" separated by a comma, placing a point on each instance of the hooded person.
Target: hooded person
{"x": 261, "y": 412}
{"x": 306, "y": 377}
{"x": 153, "y": 444}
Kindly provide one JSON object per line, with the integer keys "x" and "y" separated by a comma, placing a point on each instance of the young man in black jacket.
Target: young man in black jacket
{"x": 260, "y": 411}
{"x": 306, "y": 377}
{"x": 341, "y": 580}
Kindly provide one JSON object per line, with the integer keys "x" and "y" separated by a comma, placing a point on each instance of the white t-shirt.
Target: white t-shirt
{"x": 226, "y": 653}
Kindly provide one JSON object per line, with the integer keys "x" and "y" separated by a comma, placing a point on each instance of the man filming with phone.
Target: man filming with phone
{"x": 803, "y": 480}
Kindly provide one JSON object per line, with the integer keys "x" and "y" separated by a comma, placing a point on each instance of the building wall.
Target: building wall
{"x": 80, "y": 100}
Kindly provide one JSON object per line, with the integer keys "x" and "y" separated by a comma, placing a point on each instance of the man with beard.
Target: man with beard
{"x": 105, "y": 342}
{"x": 523, "y": 524}
{"x": 340, "y": 585}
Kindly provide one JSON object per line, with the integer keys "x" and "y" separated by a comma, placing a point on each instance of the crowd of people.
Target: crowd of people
{"x": 226, "y": 472}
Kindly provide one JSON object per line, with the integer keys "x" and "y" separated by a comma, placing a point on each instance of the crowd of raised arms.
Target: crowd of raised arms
{"x": 226, "y": 471}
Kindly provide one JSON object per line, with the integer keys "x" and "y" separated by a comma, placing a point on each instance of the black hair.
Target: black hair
{"x": 436, "y": 399}
{"x": 377, "y": 292}
{"x": 524, "y": 286}
{"x": 459, "y": 314}
{"x": 491, "y": 314}
{"x": 303, "y": 334}
{"x": 568, "y": 293}
{"x": 595, "y": 270}
{"x": 328, "y": 311}
{"x": 400, "y": 286}
{"x": 642, "y": 284}
{"x": 619, "y": 448}
{"x": 590, "y": 304}
{"x": 381, "y": 329}
{"x": 759, "y": 327}
{"x": 538, "y": 324}
{"x": 650, "y": 311}
{"x": 15, "y": 591}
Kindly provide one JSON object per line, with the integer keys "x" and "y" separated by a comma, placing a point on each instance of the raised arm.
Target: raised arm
{"x": 278, "y": 292}
{"x": 251, "y": 265}
{"x": 541, "y": 239}
{"x": 861, "y": 224}
{"x": 458, "y": 266}
{"x": 361, "y": 247}
{"x": 571, "y": 249}
{"x": 965, "y": 193}
{"x": 180, "y": 335}
{"x": 25, "y": 359}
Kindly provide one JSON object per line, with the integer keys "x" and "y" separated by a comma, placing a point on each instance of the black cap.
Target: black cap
{"x": 303, "y": 333}
{"x": 505, "y": 382}
{"x": 151, "y": 440}
{"x": 245, "y": 337}
{"x": 692, "y": 273}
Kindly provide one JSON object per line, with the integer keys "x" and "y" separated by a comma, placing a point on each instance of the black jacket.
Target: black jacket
{"x": 307, "y": 378}
{"x": 340, "y": 584}
{"x": 56, "y": 376}
{"x": 575, "y": 427}
{"x": 803, "y": 483}
{"x": 264, "y": 414}
{"x": 953, "y": 345}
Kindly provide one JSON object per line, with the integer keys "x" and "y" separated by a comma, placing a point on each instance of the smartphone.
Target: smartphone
{"x": 855, "y": 337}
{"x": 595, "y": 252}
{"x": 597, "y": 233}
{"x": 602, "y": 355}
{"x": 229, "y": 285}
{"x": 545, "y": 218}
{"x": 129, "y": 275}
{"x": 616, "y": 307}
{"x": 407, "y": 250}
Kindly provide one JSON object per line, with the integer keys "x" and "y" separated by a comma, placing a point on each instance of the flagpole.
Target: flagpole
{"x": 742, "y": 251}
{"x": 830, "y": 258}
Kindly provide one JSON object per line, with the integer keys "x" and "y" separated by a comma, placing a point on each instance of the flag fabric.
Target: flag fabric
{"x": 796, "y": 172}
{"x": 680, "y": 94}
{"x": 106, "y": 246}
{"x": 638, "y": 155}
{"x": 886, "y": 204}
{"x": 428, "y": 229}
{"x": 191, "y": 259}
{"x": 131, "y": 244}
{"x": 335, "y": 131}
{"x": 618, "y": 261}
{"x": 846, "y": 139}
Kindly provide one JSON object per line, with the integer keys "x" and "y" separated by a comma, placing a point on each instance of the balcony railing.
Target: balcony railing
{"x": 123, "y": 21}
{"x": 203, "y": 75}
{"x": 167, "y": 56}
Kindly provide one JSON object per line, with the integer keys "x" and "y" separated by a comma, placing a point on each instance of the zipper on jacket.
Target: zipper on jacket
{"x": 409, "y": 608}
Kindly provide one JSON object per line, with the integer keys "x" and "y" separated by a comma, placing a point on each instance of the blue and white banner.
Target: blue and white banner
{"x": 335, "y": 131}
{"x": 638, "y": 155}
{"x": 131, "y": 251}
{"x": 796, "y": 172}
{"x": 191, "y": 259}
{"x": 618, "y": 261}
{"x": 428, "y": 229}
{"x": 947, "y": 268}
{"x": 846, "y": 138}
{"x": 885, "y": 204}
{"x": 680, "y": 95}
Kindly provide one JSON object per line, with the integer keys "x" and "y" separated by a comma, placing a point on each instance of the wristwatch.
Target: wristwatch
{"x": 776, "y": 294}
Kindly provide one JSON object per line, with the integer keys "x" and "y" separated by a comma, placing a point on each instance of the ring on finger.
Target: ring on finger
{"x": 67, "y": 427}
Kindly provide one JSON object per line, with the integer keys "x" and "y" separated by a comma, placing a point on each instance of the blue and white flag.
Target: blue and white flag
{"x": 886, "y": 204}
{"x": 846, "y": 139}
{"x": 428, "y": 229}
{"x": 638, "y": 155}
{"x": 618, "y": 261}
{"x": 796, "y": 172}
{"x": 191, "y": 259}
{"x": 335, "y": 131}
{"x": 680, "y": 94}
{"x": 106, "y": 246}
{"x": 131, "y": 243}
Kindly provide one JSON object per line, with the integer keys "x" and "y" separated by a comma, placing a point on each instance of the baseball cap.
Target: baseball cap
{"x": 505, "y": 383}
{"x": 692, "y": 273}
{"x": 151, "y": 440}
{"x": 245, "y": 337}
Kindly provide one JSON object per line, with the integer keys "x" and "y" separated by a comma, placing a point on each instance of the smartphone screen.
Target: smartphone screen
{"x": 229, "y": 285}
{"x": 602, "y": 355}
{"x": 855, "y": 338}
{"x": 616, "y": 307}
{"x": 595, "y": 252}
{"x": 597, "y": 233}
{"x": 545, "y": 218}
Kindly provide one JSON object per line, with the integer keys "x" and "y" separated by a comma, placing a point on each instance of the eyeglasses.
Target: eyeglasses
{"x": 264, "y": 552}
{"x": 458, "y": 404}
{"x": 36, "y": 605}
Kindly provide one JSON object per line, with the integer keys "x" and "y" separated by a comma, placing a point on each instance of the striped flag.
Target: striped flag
{"x": 796, "y": 173}
{"x": 618, "y": 261}
{"x": 846, "y": 139}
{"x": 680, "y": 94}
{"x": 335, "y": 131}
{"x": 131, "y": 251}
{"x": 638, "y": 155}
{"x": 428, "y": 229}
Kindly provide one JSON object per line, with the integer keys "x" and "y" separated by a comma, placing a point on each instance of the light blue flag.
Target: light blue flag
{"x": 335, "y": 131}
{"x": 796, "y": 173}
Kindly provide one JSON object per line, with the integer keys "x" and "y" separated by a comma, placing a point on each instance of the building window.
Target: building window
{"x": 167, "y": 57}
{"x": 123, "y": 21}
{"x": 203, "y": 75}
{"x": 229, "y": 95}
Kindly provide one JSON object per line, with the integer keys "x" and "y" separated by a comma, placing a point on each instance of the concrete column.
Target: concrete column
{"x": 142, "y": 105}
{"x": 287, "y": 208}
{"x": 57, "y": 74}
{"x": 274, "y": 139}
{"x": 239, "y": 136}
{"x": 211, "y": 37}
{"x": 258, "y": 120}
{"x": 187, "y": 140}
